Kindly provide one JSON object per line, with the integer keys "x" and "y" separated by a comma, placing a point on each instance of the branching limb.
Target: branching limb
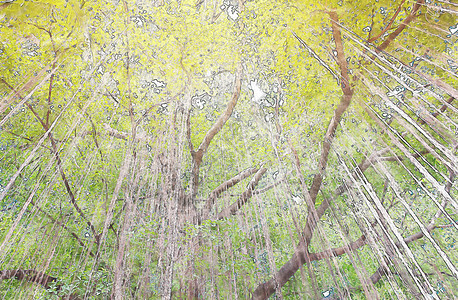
{"x": 29, "y": 275}
{"x": 22, "y": 147}
{"x": 232, "y": 209}
{"x": 59, "y": 165}
{"x": 147, "y": 111}
{"x": 264, "y": 290}
{"x": 362, "y": 167}
{"x": 94, "y": 136}
{"x": 64, "y": 226}
{"x": 139, "y": 136}
{"x": 334, "y": 252}
{"x": 341, "y": 108}
{"x": 115, "y": 133}
{"x": 442, "y": 109}
{"x": 269, "y": 187}
{"x": 216, "y": 193}
{"x": 329, "y": 136}
{"x": 51, "y": 79}
{"x": 34, "y": 276}
{"x": 381, "y": 271}
{"x": 394, "y": 34}
{"x": 68, "y": 188}
{"x": 198, "y": 155}
{"x": 370, "y": 40}
{"x": 33, "y": 84}
{"x": 301, "y": 257}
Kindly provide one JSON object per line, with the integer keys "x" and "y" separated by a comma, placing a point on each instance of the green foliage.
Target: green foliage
{"x": 97, "y": 97}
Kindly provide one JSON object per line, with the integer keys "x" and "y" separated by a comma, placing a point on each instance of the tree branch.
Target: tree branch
{"x": 198, "y": 155}
{"x": 34, "y": 276}
{"x": 59, "y": 164}
{"x": 224, "y": 117}
{"x": 68, "y": 188}
{"x": 29, "y": 275}
{"x": 216, "y": 193}
{"x": 398, "y": 157}
{"x": 115, "y": 133}
{"x": 27, "y": 86}
{"x": 401, "y": 27}
{"x": 124, "y": 135}
{"x": 50, "y": 90}
{"x": 63, "y": 225}
{"x": 25, "y": 146}
{"x": 341, "y": 108}
{"x": 442, "y": 109}
{"x": 261, "y": 293}
{"x": 445, "y": 86}
{"x": 264, "y": 290}
{"x": 334, "y": 252}
{"x": 370, "y": 40}
{"x": 329, "y": 137}
{"x": 94, "y": 136}
{"x": 381, "y": 271}
{"x": 232, "y": 209}
{"x": 263, "y": 190}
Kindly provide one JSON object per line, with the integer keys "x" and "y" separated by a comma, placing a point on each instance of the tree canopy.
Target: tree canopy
{"x": 226, "y": 149}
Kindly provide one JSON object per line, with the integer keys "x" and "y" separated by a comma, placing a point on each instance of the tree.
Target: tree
{"x": 228, "y": 149}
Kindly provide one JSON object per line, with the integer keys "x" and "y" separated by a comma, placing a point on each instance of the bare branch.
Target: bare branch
{"x": 334, "y": 252}
{"x": 442, "y": 109}
{"x": 264, "y": 290}
{"x": 341, "y": 108}
{"x": 329, "y": 137}
{"x": 362, "y": 167}
{"x": 5, "y": 5}
{"x": 263, "y": 190}
{"x": 370, "y": 40}
{"x": 29, "y": 275}
{"x": 394, "y": 34}
{"x": 224, "y": 117}
{"x": 59, "y": 163}
{"x": 232, "y": 209}
{"x": 25, "y": 138}
{"x": 139, "y": 136}
{"x": 63, "y": 225}
{"x": 29, "y": 85}
{"x": 67, "y": 186}
{"x": 51, "y": 79}
{"x": 216, "y": 193}
{"x": 94, "y": 136}
{"x": 198, "y": 155}
{"x": 381, "y": 271}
